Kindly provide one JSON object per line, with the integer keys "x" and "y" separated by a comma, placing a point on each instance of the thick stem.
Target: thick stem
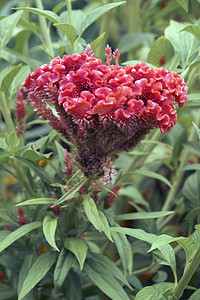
{"x": 185, "y": 279}
{"x": 45, "y": 31}
{"x": 69, "y": 11}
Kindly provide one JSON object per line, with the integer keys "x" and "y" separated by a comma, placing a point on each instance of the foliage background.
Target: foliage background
{"x": 159, "y": 201}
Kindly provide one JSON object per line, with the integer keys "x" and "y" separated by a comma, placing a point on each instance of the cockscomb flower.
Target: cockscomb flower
{"x": 104, "y": 109}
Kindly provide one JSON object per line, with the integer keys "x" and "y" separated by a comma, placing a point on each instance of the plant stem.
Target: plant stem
{"x": 179, "y": 175}
{"x": 69, "y": 11}
{"x": 45, "y": 31}
{"x": 6, "y": 113}
{"x": 190, "y": 270}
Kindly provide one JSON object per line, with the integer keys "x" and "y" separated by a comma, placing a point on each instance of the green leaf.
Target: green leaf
{"x": 71, "y": 193}
{"x": 8, "y": 79}
{"x": 78, "y": 247}
{"x": 191, "y": 190}
{"x": 133, "y": 193}
{"x": 183, "y": 4}
{"x": 124, "y": 249}
{"x": 3, "y": 145}
{"x": 68, "y": 30}
{"x": 162, "y": 47}
{"x": 49, "y": 229}
{"x": 38, "y": 270}
{"x": 150, "y": 174}
{"x": 165, "y": 255}
{"x": 136, "y": 233}
{"x": 37, "y": 201}
{"x": 104, "y": 280}
{"x": 193, "y": 29}
{"x": 164, "y": 239}
{"x": 18, "y": 79}
{"x": 72, "y": 286}
{"x": 104, "y": 224}
{"x": 154, "y": 292}
{"x": 197, "y": 130}
{"x": 195, "y": 295}
{"x": 61, "y": 154}
{"x": 44, "y": 13}
{"x": 94, "y": 45}
{"x": 132, "y": 41}
{"x": 18, "y": 233}
{"x": 9, "y": 262}
{"x": 91, "y": 211}
{"x": 28, "y": 260}
{"x": 144, "y": 215}
{"x": 46, "y": 177}
{"x": 106, "y": 263}
{"x": 96, "y": 13}
{"x": 7, "y": 26}
{"x": 183, "y": 43}
{"x": 62, "y": 268}
{"x": 7, "y": 292}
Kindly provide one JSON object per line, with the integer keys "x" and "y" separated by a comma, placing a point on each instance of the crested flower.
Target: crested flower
{"x": 104, "y": 109}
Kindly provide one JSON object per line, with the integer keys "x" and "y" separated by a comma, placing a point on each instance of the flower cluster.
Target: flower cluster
{"x": 20, "y": 110}
{"x": 22, "y": 218}
{"x": 104, "y": 109}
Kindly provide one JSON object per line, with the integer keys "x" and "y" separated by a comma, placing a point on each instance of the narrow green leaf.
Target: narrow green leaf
{"x": 71, "y": 193}
{"x": 38, "y": 270}
{"x": 195, "y": 295}
{"x": 28, "y": 260}
{"x": 91, "y": 211}
{"x": 18, "y": 233}
{"x": 7, "y": 26}
{"x": 144, "y": 215}
{"x": 124, "y": 249}
{"x": 183, "y": 4}
{"x": 197, "y": 130}
{"x": 96, "y": 13}
{"x": 151, "y": 174}
{"x": 104, "y": 224}
{"x": 162, "y": 47}
{"x": 7, "y": 292}
{"x": 37, "y": 201}
{"x": 78, "y": 247}
{"x": 132, "y": 41}
{"x": 44, "y": 13}
{"x": 62, "y": 268}
{"x": 136, "y": 233}
{"x": 72, "y": 286}
{"x": 104, "y": 280}
{"x": 68, "y": 30}
{"x": 49, "y": 229}
{"x": 110, "y": 266}
{"x": 46, "y": 177}
{"x": 193, "y": 29}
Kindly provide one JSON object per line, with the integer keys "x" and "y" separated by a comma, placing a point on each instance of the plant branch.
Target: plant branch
{"x": 45, "y": 31}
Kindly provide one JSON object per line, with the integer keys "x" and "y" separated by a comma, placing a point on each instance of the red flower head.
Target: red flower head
{"x": 104, "y": 109}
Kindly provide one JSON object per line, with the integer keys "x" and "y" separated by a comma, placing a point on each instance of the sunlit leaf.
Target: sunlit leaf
{"x": 144, "y": 215}
{"x": 91, "y": 211}
{"x": 49, "y": 229}
{"x": 50, "y": 15}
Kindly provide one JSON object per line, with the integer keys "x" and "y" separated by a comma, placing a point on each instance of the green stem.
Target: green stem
{"x": 6, "y": 113}
{"x": 103, "y": 28}
{"x": 45, "y": 31}
{"x": 133, "y": 19}
{"x": 178, "y": 176}
{"x": 69, "y": 11}
{"x": 185, "y": 279}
